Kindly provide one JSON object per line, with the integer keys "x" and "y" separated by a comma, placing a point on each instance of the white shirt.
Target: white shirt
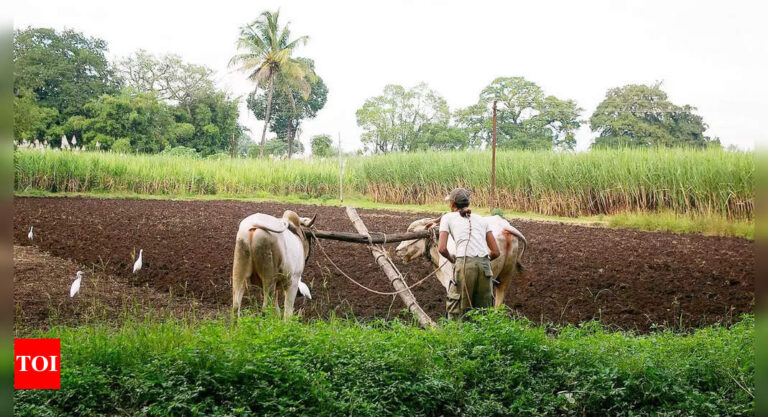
{"x": 458, "y": 227}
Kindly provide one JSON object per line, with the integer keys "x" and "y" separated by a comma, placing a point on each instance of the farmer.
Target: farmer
{"x": 471, "y": 286}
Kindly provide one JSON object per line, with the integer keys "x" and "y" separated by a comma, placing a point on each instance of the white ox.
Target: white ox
{"x": 271, "y": 253}
{"x": 505, "y": 267}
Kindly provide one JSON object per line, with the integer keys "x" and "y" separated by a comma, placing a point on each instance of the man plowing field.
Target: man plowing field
{"x": 472, "y": 283}
{"x": 504, "y": 268}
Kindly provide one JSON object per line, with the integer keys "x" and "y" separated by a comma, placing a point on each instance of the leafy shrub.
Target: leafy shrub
{"x": 219, "y": 156}
{"x": 122, "y": 145}
{"x": 488, "y": 365}
{"x": 182, "y": 151}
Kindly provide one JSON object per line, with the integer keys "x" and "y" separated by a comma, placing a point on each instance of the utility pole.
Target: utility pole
{"x": 493, "y": 160}
{"x": 232, "y": 146}
{"x": 341, "y": 173}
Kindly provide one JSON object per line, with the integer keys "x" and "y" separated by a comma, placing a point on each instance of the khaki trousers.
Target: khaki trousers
{"x": 471, "y": 286}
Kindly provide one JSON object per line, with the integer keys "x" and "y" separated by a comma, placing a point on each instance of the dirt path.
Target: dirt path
{"x": 626, "y": 278}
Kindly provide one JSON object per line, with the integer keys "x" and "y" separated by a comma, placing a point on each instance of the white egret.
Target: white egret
{"x": 304, "y": 290}
{"x": 76, "y": 285}
{"x": 31, "y": 234}
{"x": 137, "y": 264}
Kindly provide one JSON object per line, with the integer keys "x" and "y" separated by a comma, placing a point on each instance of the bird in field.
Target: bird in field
{"x": 304, "y": 290}
{"x": 137, "y": 264}
{"x": 76, "y": 285}
{"x": 31, "y": 234}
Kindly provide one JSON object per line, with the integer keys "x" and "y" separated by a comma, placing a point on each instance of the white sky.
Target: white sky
{"x": 710, "y": 54}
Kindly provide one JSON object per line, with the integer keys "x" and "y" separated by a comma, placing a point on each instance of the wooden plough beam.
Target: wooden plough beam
{"x": 382, "y": 258}
{"x": 375, "y": 238}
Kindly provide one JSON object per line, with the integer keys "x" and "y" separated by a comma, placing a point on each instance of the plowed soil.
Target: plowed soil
{"x": 41, "y": 290}
{"x": 627, "y": 279}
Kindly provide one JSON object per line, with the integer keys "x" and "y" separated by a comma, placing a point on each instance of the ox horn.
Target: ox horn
{"x": 312, "y": 220}
{"x": 434, "y": 221}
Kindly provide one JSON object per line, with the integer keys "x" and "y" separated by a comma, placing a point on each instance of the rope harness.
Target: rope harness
{"x": 407, "y": 288}
{"x": 464, "y": 265}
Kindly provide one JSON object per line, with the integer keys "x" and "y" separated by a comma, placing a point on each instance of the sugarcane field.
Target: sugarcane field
{"x": 276, "y": 209}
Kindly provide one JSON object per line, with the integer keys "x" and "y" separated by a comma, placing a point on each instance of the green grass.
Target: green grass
{"x": 489, "y": 365}
{"x": 671, "y": 222}
{"x": 692, "y": 182}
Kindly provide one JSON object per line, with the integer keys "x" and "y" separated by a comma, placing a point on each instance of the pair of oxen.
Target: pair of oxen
{"x": 271, "y": 252}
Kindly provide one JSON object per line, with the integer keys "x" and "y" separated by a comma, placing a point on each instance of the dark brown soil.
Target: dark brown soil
{"x": 41, "y": 291}
{"x": 627, "y": 279}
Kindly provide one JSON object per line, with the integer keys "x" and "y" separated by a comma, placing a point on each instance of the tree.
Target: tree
{"x": 205, "y": 118}
{"x": 395, "y": 120}
{"x": 279, "y": 147}
{"x": 322, "y": 146}
{"x": 556, "y": 123}
{"x": 168, "y": 77}
{"x": 475, "y": 122}
{"x": 641, "y": 115}
{"x": 289, "y": 106}
{"x": 138, "y": 120}
{"x": 441, "y": 137}
{"x": 518, "y": 97}
{"x": 63, "y": 70}
{"x": 31, "y": 121}
{"x": 212, "y": 117}
{"x": 526, "y": 118}
{"x": 267, "y": 51}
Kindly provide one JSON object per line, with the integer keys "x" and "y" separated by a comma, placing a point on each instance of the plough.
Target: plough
{"x": 375, "y": 241}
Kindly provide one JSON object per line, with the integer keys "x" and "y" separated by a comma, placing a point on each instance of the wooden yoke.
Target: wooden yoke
{"x": 377, "y": 238}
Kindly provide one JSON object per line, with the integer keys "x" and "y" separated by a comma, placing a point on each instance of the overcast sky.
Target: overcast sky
{"x": 710, "y": 54}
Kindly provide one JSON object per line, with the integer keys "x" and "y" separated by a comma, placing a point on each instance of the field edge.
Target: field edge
{"x": 641, "y": 221}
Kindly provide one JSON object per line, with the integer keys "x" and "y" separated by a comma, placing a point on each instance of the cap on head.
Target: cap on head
{"x": 459, "y": 196}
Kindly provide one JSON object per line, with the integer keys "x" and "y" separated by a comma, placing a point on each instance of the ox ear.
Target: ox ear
{"x": 310, "y": 222}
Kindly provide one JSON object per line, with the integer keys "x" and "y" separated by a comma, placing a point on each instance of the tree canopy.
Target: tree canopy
{"x": 167, "y": 76}
{"x": 64, "y": 85}
{"x": 413, "y": 119}
{"x": 397, "y": 119}
{"x": 213, "y": 120}
{"x": 274, "y": 147}
{"x": 639, "y": 115}
{"x": 265, "y": 50}
{"x": 61, "y": 70}
{"x": 322, "y": 146}
{"x": 526, "y": 117}
{"x": 290, "y": 107}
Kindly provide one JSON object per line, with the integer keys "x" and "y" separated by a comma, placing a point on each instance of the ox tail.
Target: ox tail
{"x": 511, "y": 229}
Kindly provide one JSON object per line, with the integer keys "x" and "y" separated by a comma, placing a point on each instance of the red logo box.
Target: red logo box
{"x": 37, "y": 363}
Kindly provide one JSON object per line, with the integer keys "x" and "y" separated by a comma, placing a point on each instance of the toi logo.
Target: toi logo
{"x": 37, "y": 364}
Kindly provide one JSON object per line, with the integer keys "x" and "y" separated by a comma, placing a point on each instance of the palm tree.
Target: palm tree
{"x": 266, "y": 52}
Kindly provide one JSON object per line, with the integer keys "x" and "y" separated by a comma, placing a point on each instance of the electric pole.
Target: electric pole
{"x": 341, "y": 173}
{"x": 493, "y": 160}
